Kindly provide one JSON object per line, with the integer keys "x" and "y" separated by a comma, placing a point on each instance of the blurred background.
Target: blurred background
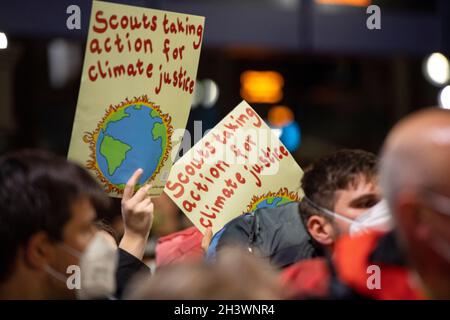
{"x": 312, "y": 68}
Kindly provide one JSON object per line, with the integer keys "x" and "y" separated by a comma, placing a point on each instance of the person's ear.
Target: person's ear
{"x": 39, "y": 251}
{"x": 321, "y": 230}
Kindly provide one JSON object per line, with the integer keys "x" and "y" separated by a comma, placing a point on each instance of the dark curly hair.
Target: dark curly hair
{"x": 339, "y": 170}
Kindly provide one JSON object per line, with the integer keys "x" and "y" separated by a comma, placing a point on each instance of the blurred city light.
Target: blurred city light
{"x": 211, "y": 93}
{"x": 64, "y": 61}
{"x": 281, "y": 120}
{"x": 436, "y": 68}
{"x": 280, "y": 116}
{"x": 206, "y": 93}
{"x": 291, "y": 136}
{"x": 198, "y": 94}
{"x": 288, "y": 4}
{"x": 262, "y": 86}
{"x": 444, "y": 98}
{"x": 354, "y": 3}
{"x": 3, "y": 41}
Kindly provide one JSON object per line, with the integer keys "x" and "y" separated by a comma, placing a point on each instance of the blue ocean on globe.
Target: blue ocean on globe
{"x": 272, "y": 202}
{"x": 129, "y": 143}
{"x": 291, "y": 136}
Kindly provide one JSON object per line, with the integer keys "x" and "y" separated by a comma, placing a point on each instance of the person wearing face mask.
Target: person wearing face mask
{"x": 413, "y": 259}
{"x": 97, "y": 265}
{"x": 49, "y": 246}
{"x": 374, "y": 218}
{"x": 342, "y": 197}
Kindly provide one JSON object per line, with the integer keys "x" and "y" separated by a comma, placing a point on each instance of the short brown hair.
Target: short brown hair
{"x": 334, "y": 172}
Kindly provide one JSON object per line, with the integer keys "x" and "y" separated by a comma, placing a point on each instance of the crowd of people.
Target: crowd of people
{"x": 367, "y": 227}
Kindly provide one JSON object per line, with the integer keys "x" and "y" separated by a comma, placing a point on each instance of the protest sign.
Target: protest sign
{"x": 137, "y": 87}
{"x": 239, "y": 166}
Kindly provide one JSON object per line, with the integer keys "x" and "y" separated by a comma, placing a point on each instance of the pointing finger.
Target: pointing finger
{"x": 131, "y": 183}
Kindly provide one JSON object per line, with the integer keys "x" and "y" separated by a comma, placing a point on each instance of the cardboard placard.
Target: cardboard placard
{"x": 239, "y": 166}
{"x": 136, "y": 89}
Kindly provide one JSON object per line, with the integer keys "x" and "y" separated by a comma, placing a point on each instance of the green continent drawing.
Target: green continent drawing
{"x": 114, "y": 151}
{"x": 160, "y": 131}
{"x": 118, "y": 115}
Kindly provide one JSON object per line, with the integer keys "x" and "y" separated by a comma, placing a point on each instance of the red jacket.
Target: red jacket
{"x": 307, "y": 279}
{"x": 179, "y": 246}
{"x": 348, "y": 273}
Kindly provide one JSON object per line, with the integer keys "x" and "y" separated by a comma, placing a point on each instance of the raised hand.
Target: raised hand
{"x": 137, "y": 214}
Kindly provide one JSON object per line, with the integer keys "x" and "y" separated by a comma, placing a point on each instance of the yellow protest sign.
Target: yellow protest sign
{"x": 239, "y": 166}
{"x": 136, "y": 89}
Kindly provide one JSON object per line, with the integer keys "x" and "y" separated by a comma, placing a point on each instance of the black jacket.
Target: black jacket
{"x": 128, "y": 267}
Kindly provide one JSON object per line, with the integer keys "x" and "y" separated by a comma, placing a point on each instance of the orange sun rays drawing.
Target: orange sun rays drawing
{"x": 91, "y": 138}
{"x": 283, "y": 193}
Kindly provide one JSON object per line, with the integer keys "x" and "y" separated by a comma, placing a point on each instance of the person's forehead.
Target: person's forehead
{"x": 360, "y": 187}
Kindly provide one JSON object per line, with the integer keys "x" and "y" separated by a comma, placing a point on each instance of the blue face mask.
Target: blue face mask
{"x": 374, "y": 218}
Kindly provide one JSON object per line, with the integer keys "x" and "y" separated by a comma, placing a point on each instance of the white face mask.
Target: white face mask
{"x": 98, "y": 265}
{"x": 377, "y": 218}
{"x": 374, "y": 218}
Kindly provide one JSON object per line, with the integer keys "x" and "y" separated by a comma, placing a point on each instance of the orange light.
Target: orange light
{"x": 262, "y": 86}
{"x": 355, "y": 3}
{"x": 280, "y": 116}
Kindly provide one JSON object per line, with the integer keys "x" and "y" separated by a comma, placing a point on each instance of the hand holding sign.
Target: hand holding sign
{"x": 137, "y": 214}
